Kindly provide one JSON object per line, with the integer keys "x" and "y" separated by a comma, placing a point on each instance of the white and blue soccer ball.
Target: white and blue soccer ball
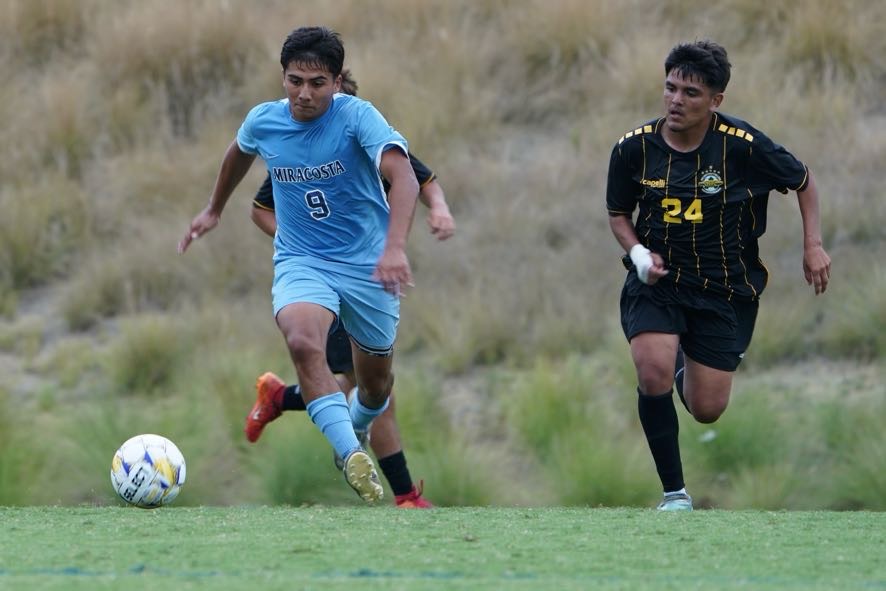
{"x": 148, "y": 471}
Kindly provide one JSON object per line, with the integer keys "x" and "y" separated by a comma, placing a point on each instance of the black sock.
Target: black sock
{"x": 679, "y": 366}
{"x": 292, "y": 398}
{"x": 395, "y": 470}
{"x": 659, "y": 419}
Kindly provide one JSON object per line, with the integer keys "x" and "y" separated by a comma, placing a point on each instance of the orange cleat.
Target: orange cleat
{"x": 268, "y": 405}
{"x": 413, "y": 499}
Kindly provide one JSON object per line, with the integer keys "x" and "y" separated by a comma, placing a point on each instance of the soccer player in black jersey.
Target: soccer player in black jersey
{"x": 273, "y": 396}
{"x": 699, "y": 182}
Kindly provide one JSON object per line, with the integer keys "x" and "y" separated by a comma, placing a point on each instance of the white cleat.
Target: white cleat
{"x": 360, "y": 473}
{"x": 676, "y": 502}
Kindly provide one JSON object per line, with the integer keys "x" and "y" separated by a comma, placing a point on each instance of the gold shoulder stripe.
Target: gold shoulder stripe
{"x": 638, "y": 131}
{"x": 723, "y": 128}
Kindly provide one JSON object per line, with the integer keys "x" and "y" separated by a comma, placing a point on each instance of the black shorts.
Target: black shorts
{"x": 713, "y": 330}
{"x": 338, "y": 350}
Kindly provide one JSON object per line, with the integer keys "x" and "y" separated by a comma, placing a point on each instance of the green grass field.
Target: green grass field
{"x": 470, "y": 548}
{"x": 515, "y": 384}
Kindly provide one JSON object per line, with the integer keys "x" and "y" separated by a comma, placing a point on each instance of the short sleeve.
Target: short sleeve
{"x": 423, "y": 174}
{"x": 375, "y": 134}
{"x": 621, "y": 188}
{"x": 245, "y": 135}
{"x": 771, "y": 166}
{"x": 264, "y": 198}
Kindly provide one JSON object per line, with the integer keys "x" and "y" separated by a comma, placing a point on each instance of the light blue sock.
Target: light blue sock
{"x": 330, "y": 414}
{"x": 361, "y": 416}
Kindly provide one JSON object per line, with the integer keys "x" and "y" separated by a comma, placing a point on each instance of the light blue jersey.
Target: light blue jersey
{"x": 328, "y": 194}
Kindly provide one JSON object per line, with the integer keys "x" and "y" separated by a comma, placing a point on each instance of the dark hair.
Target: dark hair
{"x": 704, "y": 60}
{"x": 348, "y": 84}
{"x": 314, "y": 46}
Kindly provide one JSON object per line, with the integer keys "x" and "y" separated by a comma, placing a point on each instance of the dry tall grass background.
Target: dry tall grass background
{"x": 116, "y": 115}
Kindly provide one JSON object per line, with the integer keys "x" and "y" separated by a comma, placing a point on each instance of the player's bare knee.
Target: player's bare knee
{"x": 303, "y": 348}
{"x": 654, "y": 378}
{"x": 707, "y": 415}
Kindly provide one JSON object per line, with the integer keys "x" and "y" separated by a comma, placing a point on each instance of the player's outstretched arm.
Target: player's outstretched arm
{"x": 234, "y": 167}
{"x": 439, "y": 219}
{"x": 392, "y": 270}
{"x": 816, "y": 261}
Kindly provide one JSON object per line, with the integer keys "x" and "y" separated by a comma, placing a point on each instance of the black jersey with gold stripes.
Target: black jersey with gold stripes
{"x": 703, "y": 210}
{"x": 264, "y": 197}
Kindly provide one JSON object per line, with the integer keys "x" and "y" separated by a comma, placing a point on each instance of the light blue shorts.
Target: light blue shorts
{"x": 369, "y": 313}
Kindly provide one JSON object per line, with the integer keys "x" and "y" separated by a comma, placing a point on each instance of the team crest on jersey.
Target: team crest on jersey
{"x": 710, "y": 181}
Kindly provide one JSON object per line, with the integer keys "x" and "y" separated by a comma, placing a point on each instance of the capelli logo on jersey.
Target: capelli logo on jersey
{"x": 308, "y": 173}
{"x": 653, "y": 183}
{"x": 710, "y": 182}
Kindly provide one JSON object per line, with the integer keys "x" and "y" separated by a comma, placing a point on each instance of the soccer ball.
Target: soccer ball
{"x": 148, "y": 471}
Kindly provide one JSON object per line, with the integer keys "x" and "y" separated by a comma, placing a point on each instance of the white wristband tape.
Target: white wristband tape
{"x": 642, "y": 261}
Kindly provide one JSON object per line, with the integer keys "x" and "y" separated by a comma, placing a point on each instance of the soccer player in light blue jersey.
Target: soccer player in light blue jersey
{"x": 339, "y": 250}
